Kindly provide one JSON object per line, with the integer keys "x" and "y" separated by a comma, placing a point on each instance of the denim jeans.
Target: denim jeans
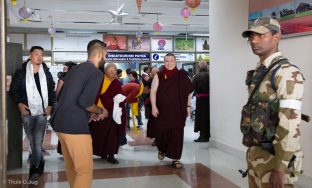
{"x": 35, "y": 127}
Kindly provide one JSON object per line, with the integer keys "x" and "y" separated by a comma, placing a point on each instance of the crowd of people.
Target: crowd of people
{"x": 91, "y": 109}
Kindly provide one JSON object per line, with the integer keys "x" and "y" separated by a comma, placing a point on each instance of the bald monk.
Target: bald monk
{"x": 107, "y": 133}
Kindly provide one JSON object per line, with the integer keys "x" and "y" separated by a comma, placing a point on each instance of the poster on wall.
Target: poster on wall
{"x": 162, "y": 44}
{"x": 136, "y": 44}
{"x": 184, "y": 44}
{"x": 202, "y": 56}
{"x": 295, "y": 16}
{"x": 115, "y": 42}
{"x": 202, "y": 44}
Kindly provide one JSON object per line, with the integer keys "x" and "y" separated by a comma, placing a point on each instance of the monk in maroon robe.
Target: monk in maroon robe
{"x": 106, "y": 133}
{"x": 170, "y": 97}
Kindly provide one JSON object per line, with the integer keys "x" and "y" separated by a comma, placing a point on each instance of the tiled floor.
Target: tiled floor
{"x": 139, "y": 166}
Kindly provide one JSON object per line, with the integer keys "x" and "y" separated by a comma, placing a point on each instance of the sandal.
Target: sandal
{"x": 161, "y": 155}
{"x": 177, "y": 164}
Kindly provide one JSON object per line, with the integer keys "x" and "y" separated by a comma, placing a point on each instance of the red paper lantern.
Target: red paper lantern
{"x": 192, "y": 3}
{"x": 139, "y": 4}
{"x": 185, "y": 12}
{"x": 157, "y": 27}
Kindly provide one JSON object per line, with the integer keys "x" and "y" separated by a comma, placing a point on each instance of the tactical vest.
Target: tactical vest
{"x": 260, "y": 115}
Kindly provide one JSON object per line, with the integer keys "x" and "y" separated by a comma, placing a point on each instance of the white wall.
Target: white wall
{"x": 299, "y": 51}
{"x": 230, "y": 58}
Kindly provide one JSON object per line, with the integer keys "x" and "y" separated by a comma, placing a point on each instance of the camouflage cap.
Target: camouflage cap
{"x": 263, "y": 25}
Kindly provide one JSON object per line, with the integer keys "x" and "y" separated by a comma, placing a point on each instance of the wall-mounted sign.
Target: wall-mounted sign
{"x": 202, "y": 44}
{"x": 162, "y": 44}
{"x": 43, "y": 40}
{"x": 184, "y": 44}
{"x": 143, "y": 44}
{"x": 181, "y": 57}
{"x": 70, "y": 56}
{"x": 115, "y": 42}
{"x": 128, "y": 56}
{"x": 73, "y": 42}
{"x": 202, "y": 57}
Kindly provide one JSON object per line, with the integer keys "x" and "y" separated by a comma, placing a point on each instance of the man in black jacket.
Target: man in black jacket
{"x": 32, "y": 88}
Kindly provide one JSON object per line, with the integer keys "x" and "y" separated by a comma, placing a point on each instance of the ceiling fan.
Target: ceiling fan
{"x": 117, "y": 15}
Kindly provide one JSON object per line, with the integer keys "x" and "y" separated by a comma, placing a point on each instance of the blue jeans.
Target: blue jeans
{"x": 35, "y": 127}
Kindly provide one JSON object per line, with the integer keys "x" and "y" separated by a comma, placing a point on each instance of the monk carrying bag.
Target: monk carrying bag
{"x": 259, "y": 118}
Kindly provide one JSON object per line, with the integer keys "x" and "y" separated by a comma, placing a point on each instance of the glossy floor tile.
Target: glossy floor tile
{"x": 204, "y": 166}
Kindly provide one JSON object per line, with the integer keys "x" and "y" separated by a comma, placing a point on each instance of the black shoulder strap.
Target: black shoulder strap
{"x": 268, "y": 70}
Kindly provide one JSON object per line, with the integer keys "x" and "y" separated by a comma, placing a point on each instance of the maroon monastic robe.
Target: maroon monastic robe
{"x": 171, "y": 101}
{"x": 106, "y": 133}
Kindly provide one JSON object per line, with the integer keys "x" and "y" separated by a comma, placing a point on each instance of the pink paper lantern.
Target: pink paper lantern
{"x": 157, "y": 27}
{"x": 25, "y": 13}
{"x": 185, "y": 12}
{"x": 52, "y": 31}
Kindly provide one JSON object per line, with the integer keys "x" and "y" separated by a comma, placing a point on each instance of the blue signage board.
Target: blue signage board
{"x": 128, "y": 56}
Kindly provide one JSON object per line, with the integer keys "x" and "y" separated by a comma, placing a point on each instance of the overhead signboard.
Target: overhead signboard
{"x": 43, "y": 40}
{"x": 184, "y": 44}
{"x": 115, "y": 42}
{"x": 128, "y": 56}
{"x": 135, "y": 44}
{"x": 180, "y": 57}
{"x": 70, "y": 56}
{"x": 162, "y": 44}
{"x": 73, "y": 42}
{"x": 202, "y": 44}
{"x": 202, "y": 56}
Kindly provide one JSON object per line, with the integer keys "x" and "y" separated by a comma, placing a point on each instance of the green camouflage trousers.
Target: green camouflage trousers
{"x": 260, "y": 164}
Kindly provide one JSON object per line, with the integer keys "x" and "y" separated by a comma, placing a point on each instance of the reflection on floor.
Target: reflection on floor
{"x": 139, "y": 166}
{"x": 192, "y": 175}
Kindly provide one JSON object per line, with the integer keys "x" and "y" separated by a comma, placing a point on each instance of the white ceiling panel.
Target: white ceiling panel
{"x": 93, "y": 16}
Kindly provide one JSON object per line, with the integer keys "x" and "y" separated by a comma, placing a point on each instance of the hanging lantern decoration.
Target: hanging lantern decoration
{"x": 139, "y": 5}
{"x": 157, "y": 27}
{"x": 193, "y": 4}
{"x": 139, "y": 35}
{"x": 13, "y": 2}
{"x": 185, "y": 12}
{"x": 51, "y": 31}
{"x": 25, "y": 13}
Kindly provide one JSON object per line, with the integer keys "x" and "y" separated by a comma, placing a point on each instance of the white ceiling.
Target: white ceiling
{"x": 92, "y": 16}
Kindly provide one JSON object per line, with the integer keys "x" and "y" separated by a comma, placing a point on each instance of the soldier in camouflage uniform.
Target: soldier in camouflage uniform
{"x": 281, "y": 167}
